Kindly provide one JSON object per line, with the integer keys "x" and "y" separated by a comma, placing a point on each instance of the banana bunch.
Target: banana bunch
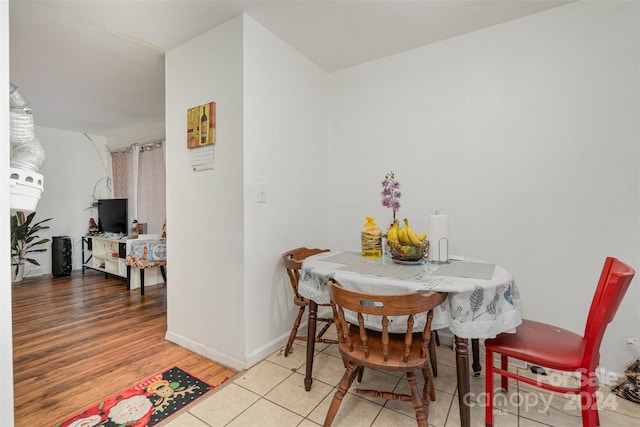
{"x": 404, "y": 235}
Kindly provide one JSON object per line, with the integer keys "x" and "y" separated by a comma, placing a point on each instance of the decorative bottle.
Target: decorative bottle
{"x": 204, "y": 126}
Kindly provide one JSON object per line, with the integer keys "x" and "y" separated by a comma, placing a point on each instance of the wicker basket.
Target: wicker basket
{"x": 409, "y": 252}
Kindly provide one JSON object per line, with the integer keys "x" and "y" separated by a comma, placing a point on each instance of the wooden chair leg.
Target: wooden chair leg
{"x": 328, "y": 324}
{"x": 319, "y": 338}
{"x": 432, "y": 353}
{"x": 420, "y": 405}
{"x": 294, "y": 332}
{"x": 428, "y": 383}
{"x": 345, "y": 383}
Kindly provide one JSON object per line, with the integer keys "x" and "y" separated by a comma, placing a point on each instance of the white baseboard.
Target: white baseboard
{"x": 224, "y": 359}
{"x": 218, "y": 357}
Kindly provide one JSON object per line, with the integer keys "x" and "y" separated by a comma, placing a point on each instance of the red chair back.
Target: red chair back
{"x": 613, "y": 284}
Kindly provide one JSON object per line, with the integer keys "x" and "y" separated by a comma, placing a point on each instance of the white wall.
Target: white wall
{"x": 285, "y": 140}
{"x": 71, "y": 170}
{"x": 526, "y": 134}
{"x": 138, "y": 135}
{"x": 205, "y": 220}
{"x": 271, "y": 130}
{"x": 6, "y": 334}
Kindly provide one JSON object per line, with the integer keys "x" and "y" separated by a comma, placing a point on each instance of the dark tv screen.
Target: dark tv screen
{"x": 113, "y": 216}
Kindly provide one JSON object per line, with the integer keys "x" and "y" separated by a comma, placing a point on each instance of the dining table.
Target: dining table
{"x": 482, "y": 299}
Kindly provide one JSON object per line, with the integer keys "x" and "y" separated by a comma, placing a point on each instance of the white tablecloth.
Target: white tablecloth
{"x": 475, "y": 308}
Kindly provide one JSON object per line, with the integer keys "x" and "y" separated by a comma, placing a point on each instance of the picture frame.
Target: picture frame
{"x": 201, "y": 125}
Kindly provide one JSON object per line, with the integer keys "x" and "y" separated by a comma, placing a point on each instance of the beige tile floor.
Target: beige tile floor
{"x": 272, "y": 393}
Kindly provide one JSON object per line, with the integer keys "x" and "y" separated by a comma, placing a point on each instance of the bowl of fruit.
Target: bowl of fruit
{"x": 405, "y": 245}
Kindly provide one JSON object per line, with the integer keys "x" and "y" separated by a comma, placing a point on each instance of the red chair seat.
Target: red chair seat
{"x": 542, "y": 344}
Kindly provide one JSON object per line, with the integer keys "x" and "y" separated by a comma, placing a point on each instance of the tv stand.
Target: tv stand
{"x": 106, "y": 254}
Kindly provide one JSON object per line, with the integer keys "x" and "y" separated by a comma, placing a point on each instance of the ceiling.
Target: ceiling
{"x": 98, "y": 66}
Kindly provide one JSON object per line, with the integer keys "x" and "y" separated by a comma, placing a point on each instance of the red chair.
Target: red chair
{"x": 548, "y": 346}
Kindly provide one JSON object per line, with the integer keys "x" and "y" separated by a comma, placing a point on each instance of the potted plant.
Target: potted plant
{"x": 24, "y": 241}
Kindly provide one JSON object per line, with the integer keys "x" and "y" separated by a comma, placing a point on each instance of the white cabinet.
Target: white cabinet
{"x": 104, "y": 254}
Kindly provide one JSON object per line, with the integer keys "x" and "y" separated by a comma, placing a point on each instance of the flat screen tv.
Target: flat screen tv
{"x": 113, "y": 216}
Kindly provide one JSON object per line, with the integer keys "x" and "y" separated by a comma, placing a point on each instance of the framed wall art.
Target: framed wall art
{"x": 201, "y": 125}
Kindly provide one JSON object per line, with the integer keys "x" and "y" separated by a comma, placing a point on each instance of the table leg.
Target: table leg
{"x": 475, "y": 352}
{"x": 311, "y": 343}
{"x": 462, "y": 366}
{"x": 142, "y": 281}
{"x": 128, "y": 277}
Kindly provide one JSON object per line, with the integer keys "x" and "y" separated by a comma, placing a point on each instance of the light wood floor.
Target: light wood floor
{"x": 81, "y": 338}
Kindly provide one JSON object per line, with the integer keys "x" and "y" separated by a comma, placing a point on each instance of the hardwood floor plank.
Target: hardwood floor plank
{"x": 81, "y": 338}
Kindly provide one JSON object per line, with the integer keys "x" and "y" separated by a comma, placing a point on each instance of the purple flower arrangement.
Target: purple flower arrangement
{"x": 391, "y": 193}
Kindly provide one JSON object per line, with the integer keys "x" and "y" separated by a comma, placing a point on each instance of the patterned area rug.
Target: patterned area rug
{"x": 144, "y": 404}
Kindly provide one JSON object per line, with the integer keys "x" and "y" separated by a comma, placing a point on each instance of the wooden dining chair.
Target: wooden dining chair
{"x": 362, "y": 347}
{"x": 293, "y": 263}
{"x": 549, "y": 346}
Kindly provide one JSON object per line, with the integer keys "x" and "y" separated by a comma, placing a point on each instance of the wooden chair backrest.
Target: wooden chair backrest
{"x": 293, "y": 263}
{"x": 384, "y": 306}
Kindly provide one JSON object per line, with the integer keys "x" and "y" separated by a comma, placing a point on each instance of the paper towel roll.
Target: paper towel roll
{"x": 438, "y": 234}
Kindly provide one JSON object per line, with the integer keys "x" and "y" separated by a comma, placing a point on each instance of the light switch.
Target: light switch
{"x": 262, "y": 193}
